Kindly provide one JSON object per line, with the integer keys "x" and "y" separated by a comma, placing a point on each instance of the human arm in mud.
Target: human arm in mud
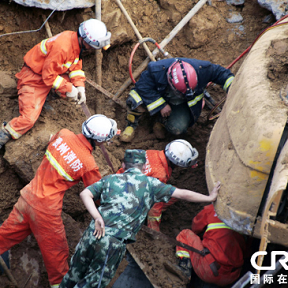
{"x": 87, "y": 198}
{"x": 192, "y": 196}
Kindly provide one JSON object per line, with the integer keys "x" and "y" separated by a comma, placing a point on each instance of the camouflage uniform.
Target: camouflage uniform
{"x": 125, "y": 201}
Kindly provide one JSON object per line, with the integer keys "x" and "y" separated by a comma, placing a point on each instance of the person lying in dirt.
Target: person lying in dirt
{"x": 67, "y": 160}
{"x": 160, "y": 164}
{"x": 55, "y": 63}
{"x": 125, "y": 200}
{"x": 172, "y": 90}
{"x": 225, "y": 248}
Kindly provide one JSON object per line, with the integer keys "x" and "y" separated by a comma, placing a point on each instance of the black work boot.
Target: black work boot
{"x": 5, "y": 136}
{"x": 186, "y": 266}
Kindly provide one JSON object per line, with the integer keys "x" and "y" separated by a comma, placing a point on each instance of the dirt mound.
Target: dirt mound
{"x": 207, "y": 36}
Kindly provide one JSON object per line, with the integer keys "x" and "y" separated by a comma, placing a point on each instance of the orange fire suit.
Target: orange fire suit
{"x": 67, "y": 160}
{"x": 227, "y": 248}
{"x": 157, "y": 167}
{"x": 53, "y": 63}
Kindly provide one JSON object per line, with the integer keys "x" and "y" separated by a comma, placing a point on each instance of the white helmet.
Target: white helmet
{"x": 94, "y": 33}
{"x": 181, "y": 153}
{"x": 100, "y": 128}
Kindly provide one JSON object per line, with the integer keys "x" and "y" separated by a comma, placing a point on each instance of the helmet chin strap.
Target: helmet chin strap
{"x": 82, "y": 49}
{"x": 172, "y": 165}
{"x": 189, "y": 91}
{"x": 92, "y": 142}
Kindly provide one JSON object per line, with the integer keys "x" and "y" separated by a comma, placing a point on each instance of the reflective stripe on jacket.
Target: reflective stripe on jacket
{"x": 67, "y": 160}
{"x": 226, "y": 245}
{"x": 55, "y": 56}
{"x": 151, "y": 86}
{"x": 219, "y": 225}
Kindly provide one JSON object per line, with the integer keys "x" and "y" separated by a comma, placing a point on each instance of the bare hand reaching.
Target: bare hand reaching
{"x": 214, "y": 193}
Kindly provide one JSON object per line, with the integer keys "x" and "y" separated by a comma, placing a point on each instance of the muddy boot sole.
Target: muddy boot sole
{"x": 128, "y": 134}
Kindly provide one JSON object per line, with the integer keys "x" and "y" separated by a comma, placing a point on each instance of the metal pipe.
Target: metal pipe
{"x": 29, "y": 31}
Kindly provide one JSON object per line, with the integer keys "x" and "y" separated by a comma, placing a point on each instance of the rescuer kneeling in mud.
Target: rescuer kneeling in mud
{"x": 125, "y": 200}
{"x": 172, "y": 90}
{"x": 55, "y": 63}
{"x": 225, "y": 249}
{"x": 67, "y": 160}
{"x": 160, "y": 164}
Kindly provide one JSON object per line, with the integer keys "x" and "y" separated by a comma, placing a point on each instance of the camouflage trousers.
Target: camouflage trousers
{"x": 88, "y": 260}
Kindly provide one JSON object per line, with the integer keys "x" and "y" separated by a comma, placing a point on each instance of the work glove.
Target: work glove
{"x": 81, "y": 91}
{"x": 73, "y": 94}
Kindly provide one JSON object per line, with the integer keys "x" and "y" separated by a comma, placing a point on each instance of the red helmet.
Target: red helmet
{"x": 182, "y": 77}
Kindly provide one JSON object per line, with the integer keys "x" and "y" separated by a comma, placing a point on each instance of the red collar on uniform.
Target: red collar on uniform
{"x": 85, "y": 141}
{"x": 165, "y": 163}
{"x": 75, "y": 43}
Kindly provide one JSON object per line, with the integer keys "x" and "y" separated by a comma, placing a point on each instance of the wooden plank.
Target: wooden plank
{"x": 140, "y": 264}
{"x": 168, "y": 38}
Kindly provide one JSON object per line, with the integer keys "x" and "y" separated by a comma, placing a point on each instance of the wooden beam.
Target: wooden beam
{"x": 140, "y": 264}
{"x": 107, "y": 93}
{"x": 98, "y": 53}
{"x": 7, "y": 271}
{"x": 47, "y": 27}
{"x": 150, "y": 55}
{"x": 168, "y": 38}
